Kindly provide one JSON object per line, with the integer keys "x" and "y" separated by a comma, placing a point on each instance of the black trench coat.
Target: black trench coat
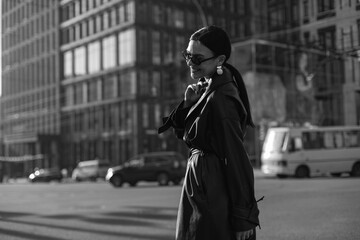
{"x": 218, "y": 192}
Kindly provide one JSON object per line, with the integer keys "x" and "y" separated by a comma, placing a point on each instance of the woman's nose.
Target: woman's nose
{"x": 189, "y": 63}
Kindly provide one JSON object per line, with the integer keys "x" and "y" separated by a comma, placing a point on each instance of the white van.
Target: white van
{"x": 90, "y": 170}
{"x": 305, "y": 152}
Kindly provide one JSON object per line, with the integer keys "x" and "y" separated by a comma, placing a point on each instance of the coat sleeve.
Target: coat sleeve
{"x": 239, "y": 176}
{"x": 176, "y": 120}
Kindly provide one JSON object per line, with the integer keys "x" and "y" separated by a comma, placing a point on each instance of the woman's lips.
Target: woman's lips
{"x": 194, "y": 70}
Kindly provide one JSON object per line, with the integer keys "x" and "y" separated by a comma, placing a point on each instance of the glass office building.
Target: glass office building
{"x": 122, "y": 71}
{"x": 30, "y": 101}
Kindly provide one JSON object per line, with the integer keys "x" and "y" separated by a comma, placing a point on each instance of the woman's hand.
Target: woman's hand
{"x": 244, "y": 235}
{"x": 192, "y": 94}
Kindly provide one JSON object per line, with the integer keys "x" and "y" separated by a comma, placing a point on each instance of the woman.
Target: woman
{"x": 217, "y": 201}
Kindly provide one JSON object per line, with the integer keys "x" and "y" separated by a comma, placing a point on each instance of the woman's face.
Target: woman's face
{"x": 204, "y": 69}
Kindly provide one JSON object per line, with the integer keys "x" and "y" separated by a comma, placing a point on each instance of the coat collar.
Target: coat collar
{"x": 215, "y": 82}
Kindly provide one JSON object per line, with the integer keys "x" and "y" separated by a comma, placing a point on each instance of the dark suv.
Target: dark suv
{"x": 162, "y": 167}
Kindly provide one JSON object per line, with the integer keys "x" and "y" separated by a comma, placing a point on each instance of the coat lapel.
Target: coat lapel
{"x": 216, "y": 82}
{"x": 202, "y": 98}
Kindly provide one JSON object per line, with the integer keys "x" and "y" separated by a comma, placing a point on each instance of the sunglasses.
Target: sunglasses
{"x": 195, "y": 59}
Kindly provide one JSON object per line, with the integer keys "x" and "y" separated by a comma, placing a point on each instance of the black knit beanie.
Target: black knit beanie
{"x": 214, "y": 38}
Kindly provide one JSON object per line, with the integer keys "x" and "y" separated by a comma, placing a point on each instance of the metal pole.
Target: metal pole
{"x": 201, "y": 12}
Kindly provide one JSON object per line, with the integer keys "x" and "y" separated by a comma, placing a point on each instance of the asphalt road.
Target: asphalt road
{"x": 318, "y": 208}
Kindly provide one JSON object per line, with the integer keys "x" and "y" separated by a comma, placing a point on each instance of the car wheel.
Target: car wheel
{"x": 117, "y": 181}
{"x": 163, "y": 179}
{"x": 355, "y": 171}
{"x": 302, "y": 172}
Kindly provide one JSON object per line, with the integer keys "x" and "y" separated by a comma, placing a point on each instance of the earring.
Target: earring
{"x": 219, "y": 70}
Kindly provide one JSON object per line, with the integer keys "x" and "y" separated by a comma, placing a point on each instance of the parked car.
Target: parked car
{"x": 162, "y": 167}
{"x": 90, "y": 170}
{"x": 46, "y": 175}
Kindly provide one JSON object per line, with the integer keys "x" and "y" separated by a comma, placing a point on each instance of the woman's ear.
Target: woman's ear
{"x": 221, "y": 59}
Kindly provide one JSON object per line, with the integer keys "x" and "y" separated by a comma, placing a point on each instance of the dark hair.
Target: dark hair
{"x": 218, "y": 41}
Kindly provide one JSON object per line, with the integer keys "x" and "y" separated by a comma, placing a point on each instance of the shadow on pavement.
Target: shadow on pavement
{"x": 138, "y": 216}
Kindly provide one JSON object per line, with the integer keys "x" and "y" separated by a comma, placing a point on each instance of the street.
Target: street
{"x": 317, "y": 208}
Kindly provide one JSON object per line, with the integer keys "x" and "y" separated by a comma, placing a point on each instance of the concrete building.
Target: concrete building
{"x": 335, "y": 27}
{"x": 330, "y": 28}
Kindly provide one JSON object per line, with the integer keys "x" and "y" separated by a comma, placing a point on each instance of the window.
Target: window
{"x": 157, "y": 114}
{"x": 113, "y": 17}
{"x": 68, "y": 64}
{"x": 92, "y": 90}
{"x": 325, "y": 5}
{"x": 156, "y": 58}
{"x": 78, "y": 93}
{"x": 79, "y": 60}
{"x": 313, "y": 140}
{"x": 329, "y": 140}
{"x": 306, "y": 8}
{"x": 157, "y": 14}
{"x": 69, "y": 96}
{"x": 84, "y": 5}
{"x": 143, "y": 49}
{"x": 277, "y": 18}
{"x": 130, "y": 11}
{"x": 84, "y": 28}
{"x": 78, "y": 32}
{"x": 127, "y": 54}
{"x": 91, "y": 25}
{"x": 275, "y": 141}
{"x": 327, "y": 38}
{"x": 169, "y": 16}
{"x": 168, "y": 49}
{"x": 106, "y": 17}
{"x": 94, "y": 57}
{"x": 98, "y": 23}
{"x": 108, "y": 87}
{"x": 294, "y": 12}
{"x": 325, "y": 9}
{"x": 109, "y": 52}
{"x": 77, "y": 8}
{"x": 145, "y": 115}
{"x": 143, "y": 82}
{"x": 155, "y": 88}
{"x": 121, "y": 11}
{"x": 127, "y": 84}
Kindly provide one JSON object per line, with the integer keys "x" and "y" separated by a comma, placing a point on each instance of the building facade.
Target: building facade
{"x": 85, "y": 79}
{"x": 30, "y": 102}
{"x": 122, "y": 70}
{"x": 334, "y": 27}
{"x": 331, "y": 28}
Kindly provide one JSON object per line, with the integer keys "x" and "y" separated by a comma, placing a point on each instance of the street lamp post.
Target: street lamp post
{"x": 201, "y": 12}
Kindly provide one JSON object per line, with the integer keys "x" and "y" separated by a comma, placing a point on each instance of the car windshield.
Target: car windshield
{"x": 275, "y": 141}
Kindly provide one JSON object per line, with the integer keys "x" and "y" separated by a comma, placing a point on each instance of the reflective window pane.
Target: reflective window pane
{"x": 109, "y": 52}
{"x": 94, "y": 57}
{"x": 79, "y": 59}
{"x": 68, "y": 72}
{"x": 127, "y": 52}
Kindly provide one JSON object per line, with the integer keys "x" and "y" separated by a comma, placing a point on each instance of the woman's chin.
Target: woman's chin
{"x": 195, "y": 75}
